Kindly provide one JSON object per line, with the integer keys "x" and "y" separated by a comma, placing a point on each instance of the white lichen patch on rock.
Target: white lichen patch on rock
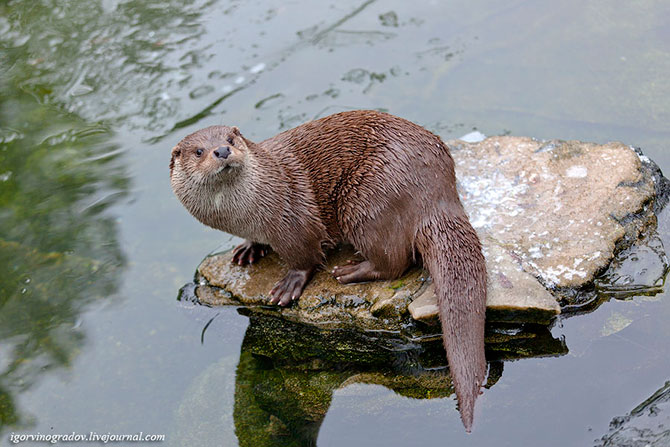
{"x": 576, "y": 171}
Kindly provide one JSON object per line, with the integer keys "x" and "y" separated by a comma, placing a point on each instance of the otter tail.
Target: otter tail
{"x": 452, "y": 253}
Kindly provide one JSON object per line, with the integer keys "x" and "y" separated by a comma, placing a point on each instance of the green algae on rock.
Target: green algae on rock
{"x": 551, "y": 217}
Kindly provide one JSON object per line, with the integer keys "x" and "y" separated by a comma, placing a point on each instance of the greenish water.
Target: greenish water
{"x": 94, "y": 247}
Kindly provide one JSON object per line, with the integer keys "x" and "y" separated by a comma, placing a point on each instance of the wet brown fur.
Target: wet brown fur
{"x": 381, "y": 183}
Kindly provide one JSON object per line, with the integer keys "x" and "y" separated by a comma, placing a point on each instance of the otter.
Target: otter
{"x": 378, "y": 182}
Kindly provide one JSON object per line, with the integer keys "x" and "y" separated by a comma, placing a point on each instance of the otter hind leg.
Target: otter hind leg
{"x": 357, "y": 272}
{"x": 385, "y": 247}
{"x": 249, "y": 252}
{"x": 380, "y": 262}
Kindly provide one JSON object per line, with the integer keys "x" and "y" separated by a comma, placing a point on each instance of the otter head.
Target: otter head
{"x": 204, "y": 160}
{"x": 208, "y": 153}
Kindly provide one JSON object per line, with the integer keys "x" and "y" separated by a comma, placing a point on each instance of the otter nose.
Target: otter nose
{"x": 221, "y": 152}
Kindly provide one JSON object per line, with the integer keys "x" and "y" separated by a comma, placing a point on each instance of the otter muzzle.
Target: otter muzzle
{"x": 221, "y": 152}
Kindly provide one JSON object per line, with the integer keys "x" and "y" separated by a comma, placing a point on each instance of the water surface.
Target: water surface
{"x": 94, "y": 247}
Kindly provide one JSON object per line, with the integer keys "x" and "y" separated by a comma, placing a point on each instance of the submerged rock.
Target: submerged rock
{"x": 551, "y": 216}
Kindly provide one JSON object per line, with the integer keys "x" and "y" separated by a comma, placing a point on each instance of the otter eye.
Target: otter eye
{"x": 198, "y": 152}
{"x": 230, "y": 140}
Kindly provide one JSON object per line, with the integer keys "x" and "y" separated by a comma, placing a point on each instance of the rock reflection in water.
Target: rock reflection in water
{"x": 288, "y": 371}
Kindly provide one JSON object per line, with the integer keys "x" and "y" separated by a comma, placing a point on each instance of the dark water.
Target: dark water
{"x": 94, "y": 247}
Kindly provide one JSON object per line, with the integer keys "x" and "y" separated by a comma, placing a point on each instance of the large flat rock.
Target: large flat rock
{"x": 551, "y": 216}
{"x": 558, "y": 207}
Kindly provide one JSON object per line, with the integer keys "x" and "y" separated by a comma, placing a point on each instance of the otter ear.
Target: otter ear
{"x": 235, "y": 130}
{"x": 176, "y": 152}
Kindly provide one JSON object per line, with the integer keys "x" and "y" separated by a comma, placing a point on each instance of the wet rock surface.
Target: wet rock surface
{"x": 552, "y": 217}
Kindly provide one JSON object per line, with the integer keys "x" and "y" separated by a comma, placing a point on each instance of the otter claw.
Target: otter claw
{"x": 248, "y": 253}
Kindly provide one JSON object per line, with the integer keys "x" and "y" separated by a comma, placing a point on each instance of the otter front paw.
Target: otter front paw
{"x": 290, "y": 287}
{"x": 249, "y": 252}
